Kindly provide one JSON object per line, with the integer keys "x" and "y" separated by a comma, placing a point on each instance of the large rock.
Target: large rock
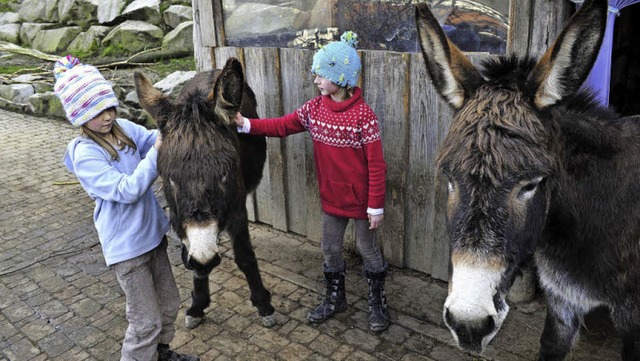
{"x": 29, "y": 31}
{"x": 109, "y": 10}
{"x": 134, "y": 36}
{"x": 174, "y": 82}
{"x": 78, "y": 12}
{"x": 271, "y": 19}
{"x": 10, "y": 33}
{"x": 144, "y": 10}
{"x": 17, "y": 93}
{"x": 55, "y": 40}
{"x": 33, "y": 10}
{"x": 320, "y": 16}
{"x": 9, "y": 18}
{"x": 176, "y": 15}
{"x": 88, "y": 41}
{"x": 180, "y": 38}
{"x": 40, "y": 83}
{"x": 46, "y": 104}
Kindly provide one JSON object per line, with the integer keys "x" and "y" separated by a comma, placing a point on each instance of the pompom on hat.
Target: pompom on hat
{"x": 82, "y": 90}
{"x": 339, "y": 62}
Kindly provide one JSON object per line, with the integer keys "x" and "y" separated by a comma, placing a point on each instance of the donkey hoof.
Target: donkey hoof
{"x": 269, "y": 321}
{"x": 192, "y": 322}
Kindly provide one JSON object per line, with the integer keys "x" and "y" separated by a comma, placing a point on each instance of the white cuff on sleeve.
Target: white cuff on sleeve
{"x": 246, "y": 127}
{"x": 375, "y": 211}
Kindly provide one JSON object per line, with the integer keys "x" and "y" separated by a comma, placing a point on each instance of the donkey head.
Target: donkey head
{"x": 498, "y": 158}
{"x": 199, "y": 160}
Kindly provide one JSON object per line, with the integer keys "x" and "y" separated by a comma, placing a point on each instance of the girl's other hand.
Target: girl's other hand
{"x": 158, "y": 141}
{"x": 375, "y": 221}
{"x": 239, "y": 119}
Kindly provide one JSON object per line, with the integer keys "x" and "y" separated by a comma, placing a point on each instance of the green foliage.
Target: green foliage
{"x": 85, "y": 54}
{"x": 5, "y": 5}
{"x": 168, "y": 66}
{"x": 114, "y": 49}
{"x": 163, "y": 6}
{"x": 11, "y": 69}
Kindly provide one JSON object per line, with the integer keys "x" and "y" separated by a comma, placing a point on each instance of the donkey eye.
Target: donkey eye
{"x": 529, "y": 189}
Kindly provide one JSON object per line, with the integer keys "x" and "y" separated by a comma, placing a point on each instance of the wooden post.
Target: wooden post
{"x": 204, "y": 34}
{"x": 386, "y": 78}
{"x": 262, "y": 70}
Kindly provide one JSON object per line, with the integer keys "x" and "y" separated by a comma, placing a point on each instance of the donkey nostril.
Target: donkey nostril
{"x": 488, "y": 325}
{"x": 448, "y": 318}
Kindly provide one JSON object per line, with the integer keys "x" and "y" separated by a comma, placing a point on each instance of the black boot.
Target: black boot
{"x": 166, "y": 354}
{"x": 335, "y": 300}
{"x": 378, "y": 312}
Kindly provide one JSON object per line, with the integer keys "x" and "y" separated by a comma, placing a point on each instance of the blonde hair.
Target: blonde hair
{"x": 344, "y": 93}
{"x": 122, "y": 139}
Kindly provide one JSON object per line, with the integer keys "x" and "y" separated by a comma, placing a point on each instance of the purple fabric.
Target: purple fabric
{"x": 599, "y": 79}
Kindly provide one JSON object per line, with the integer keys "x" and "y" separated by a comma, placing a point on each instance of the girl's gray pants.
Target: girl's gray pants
{"x": 152, "y": 303}
{"x": 333, "y": 229}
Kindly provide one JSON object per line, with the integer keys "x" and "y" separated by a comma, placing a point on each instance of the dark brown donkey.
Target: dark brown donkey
{"x": 207, "y": 170}
{"x": 535, "y": 167}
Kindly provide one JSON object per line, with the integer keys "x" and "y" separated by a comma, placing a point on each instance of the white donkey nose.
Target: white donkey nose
{"x": 202, "y": 241}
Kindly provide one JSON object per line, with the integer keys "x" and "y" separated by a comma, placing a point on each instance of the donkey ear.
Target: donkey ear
{"x": 227, "y": 90}
{"x": 151, "y": 99}
{"x": 452, "y": 73}
{"x": 565, "y": 66}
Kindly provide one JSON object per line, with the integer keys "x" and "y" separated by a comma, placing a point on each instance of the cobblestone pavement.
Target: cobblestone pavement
{"x": 58, "y": 300}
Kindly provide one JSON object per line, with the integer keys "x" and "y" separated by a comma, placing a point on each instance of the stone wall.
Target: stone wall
{"x": 94, "y": 29}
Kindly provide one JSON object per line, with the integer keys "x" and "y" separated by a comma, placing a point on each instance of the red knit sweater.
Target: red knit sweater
{"x": 347, "y": 150}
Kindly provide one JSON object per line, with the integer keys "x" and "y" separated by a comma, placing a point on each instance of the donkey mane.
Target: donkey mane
{"x": 499, "y": 124}
{"x": 496, "y": 124}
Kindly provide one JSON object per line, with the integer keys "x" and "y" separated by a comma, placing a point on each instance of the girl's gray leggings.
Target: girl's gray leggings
{"x": 333, "y": 229}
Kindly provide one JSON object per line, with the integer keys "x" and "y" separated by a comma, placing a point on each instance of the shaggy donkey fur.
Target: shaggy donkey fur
{"x": 536, "y": 168}
{"x": 207, "y": 170}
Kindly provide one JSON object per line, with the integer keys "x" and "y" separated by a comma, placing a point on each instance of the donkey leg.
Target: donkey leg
{"x": 627, "y": 321}
{"x": 631, "y": 345}
{"x": 560, "y": 330}
{"x": 246, "y": 260}
{"x": 200, "y": 299}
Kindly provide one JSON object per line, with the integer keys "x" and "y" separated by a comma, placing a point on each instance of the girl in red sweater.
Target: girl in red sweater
{"x": 351, "y": 172}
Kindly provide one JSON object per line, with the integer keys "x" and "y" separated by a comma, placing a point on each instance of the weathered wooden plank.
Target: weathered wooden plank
{"x": 548, "y": 18}
{"x": 204, "y": 22}
{"x": 222, "y": 54}
{"x": 201, "y": 52}
{"x": 382, "y": 72}
{"x": 440, "y": 251}
{"x": 519, "y": 27}
{"x": 314, "y": 207}
{"x": 219, "y": 35}
{"x": 297, "y": 88}
{"x": 535, "y": 24}
{"x": 420, "y": 204}
{"x": 262, "y": 69}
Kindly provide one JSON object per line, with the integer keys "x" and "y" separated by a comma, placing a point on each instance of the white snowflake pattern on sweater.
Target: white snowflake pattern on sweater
{"x": 352, "y": 128}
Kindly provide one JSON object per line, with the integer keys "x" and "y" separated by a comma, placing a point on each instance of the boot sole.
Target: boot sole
{"x": 320, "y": 320}
{"x": 379, "y": 328}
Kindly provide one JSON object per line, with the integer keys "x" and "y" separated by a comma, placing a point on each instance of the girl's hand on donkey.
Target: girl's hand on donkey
{"x": 239, "y": 119}
{"x": 375, "y": 221}
{"x": 158, "y": 141}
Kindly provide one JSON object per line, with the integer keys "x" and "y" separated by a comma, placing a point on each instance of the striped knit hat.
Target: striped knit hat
{"x": 83, "y": 91}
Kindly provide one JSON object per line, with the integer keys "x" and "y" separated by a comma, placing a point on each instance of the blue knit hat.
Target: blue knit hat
{"x": 339, "y": 62}
{"x": 82, "y": 90}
